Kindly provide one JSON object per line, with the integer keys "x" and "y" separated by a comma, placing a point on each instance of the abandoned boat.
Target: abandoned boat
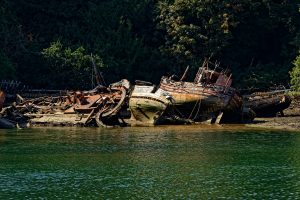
{"x": 206, "y": 98}
{"x": 268, "y": 104}
{"x": 147, "y": 104}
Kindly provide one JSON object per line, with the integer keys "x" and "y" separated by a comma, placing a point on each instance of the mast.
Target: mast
{"x": 98, "y": 75}
{"x": 185, "y": 73}
{"x": 200, "y": 71}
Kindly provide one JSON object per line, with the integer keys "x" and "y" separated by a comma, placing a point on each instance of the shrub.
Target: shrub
{"x": 295, "y": 75}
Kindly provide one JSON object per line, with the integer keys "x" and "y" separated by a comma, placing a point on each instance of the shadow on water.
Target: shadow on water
{"x": 179, "y": 162}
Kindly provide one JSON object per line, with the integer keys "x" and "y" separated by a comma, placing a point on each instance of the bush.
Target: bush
{"x": 295, "y": 75}
{"x": 70, "y": 68}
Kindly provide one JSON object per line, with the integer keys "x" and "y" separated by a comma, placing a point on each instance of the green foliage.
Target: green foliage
{"x": 62, "y": 57}
{"x": 260, "y": 35}
{"x": 145, "y": 39}
{"x": 123, "y": 33}
{"x": 70, "y": 68}
{"x": 295, "y": 75}
{"x": 196, "y": 28}
{"x": 294, "y": 94}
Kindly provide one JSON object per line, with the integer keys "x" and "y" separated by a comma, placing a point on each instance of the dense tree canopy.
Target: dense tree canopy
{"x": 250, "y": 36}
{"x": 196, "y": 28}
{"x": 48, "y": 43}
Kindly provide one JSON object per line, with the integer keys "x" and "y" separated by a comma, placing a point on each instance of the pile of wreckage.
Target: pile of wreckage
{"x": 209, "y": 98}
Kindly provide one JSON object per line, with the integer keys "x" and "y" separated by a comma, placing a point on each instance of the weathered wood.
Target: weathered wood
{"x": 90, "y": 116}
{"x": 266, "y": 104}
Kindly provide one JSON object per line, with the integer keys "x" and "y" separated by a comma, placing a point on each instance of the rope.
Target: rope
{"x": 198, "y": 101}
{"x": 193, "y": 109}
{"x": 177, "y": 111}
{"x": 198, "y": 109}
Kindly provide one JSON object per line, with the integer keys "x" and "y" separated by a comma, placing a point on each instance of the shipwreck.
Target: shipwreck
{"x": 210, "y": 98}
{"x": 205, "y": 99}
{"x": 98, "y": 107}
{"x": 147, "y": 105}
{"x": 268, "y": 104}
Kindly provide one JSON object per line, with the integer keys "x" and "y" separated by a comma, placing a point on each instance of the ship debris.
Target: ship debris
{"x": 210, "y": 98}
{"x": 100, "y": 106}
{"x": 268, "y": 104}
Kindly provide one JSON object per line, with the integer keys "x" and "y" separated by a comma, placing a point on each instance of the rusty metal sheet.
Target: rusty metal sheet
{"x": 90, "y": 101}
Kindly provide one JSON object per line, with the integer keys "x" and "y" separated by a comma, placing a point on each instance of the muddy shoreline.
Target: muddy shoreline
{"x": 290, "y": 120}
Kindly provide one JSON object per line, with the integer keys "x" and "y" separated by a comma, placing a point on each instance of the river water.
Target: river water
{"x": 166, "y": 162}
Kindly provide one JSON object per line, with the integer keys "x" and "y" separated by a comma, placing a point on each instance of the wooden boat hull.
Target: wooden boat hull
{"x": 267, "y": 104}
{"x": 194, "y": 101}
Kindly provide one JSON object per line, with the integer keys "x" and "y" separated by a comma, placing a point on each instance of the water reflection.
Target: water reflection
{"x": 179, "y": 162}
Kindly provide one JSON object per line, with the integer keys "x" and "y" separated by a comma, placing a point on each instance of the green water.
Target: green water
{"x": 179, "y": 162}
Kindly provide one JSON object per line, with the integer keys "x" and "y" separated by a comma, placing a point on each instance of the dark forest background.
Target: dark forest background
{"x": 49, "y": 44}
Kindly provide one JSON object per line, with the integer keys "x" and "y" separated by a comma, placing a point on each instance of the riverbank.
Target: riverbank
{"x": 290, "y": 120}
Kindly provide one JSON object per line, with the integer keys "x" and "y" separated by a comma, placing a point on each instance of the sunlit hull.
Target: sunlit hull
{"x": 147, "y": 107}
{"x": 195, "y": 101}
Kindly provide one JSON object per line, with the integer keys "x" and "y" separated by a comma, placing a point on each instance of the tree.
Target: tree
{"x": 194, "y": 29}
{"x": 124, "y": 33}
{"x": 145, "y": 39}
{"x": 263, "y": 44}
{"x": 70, "y": 68}
{"x": 249, "y": 36}
{"x": 121, "y": 31}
